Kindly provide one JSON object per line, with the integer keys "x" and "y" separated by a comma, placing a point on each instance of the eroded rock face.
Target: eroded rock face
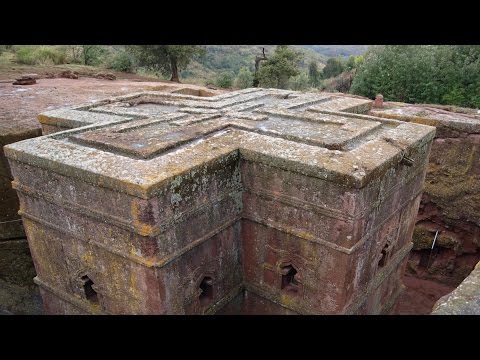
{"x": 105, "y": 76}
{"x": 162, "y": 203}
{"x": 25, "y": 81}
{"x": 451, "y": 200}
{"x": 68, "y": 74}
{"x": 464, "y": 300}
{"x": 16, "y": 266}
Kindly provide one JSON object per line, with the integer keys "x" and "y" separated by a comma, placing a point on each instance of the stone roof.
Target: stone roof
{"x": 462, "y": 122}
{"x": 134, "y": 143}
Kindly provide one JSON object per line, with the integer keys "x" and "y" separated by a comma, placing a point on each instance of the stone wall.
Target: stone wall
{"x": 16, "y": 267}
{"x": 451, "y": 200}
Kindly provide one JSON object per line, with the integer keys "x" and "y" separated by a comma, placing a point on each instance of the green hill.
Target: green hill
{"x": 337, "y": 50}
{"x": 230, "y": 58}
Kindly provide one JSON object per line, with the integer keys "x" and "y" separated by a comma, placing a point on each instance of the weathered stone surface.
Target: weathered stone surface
{"x": 464, "y": 300}
{"x": 20, "y": 300}
{"x": 16, "y": 262}
{"x": 25, "y": 81}
{"x": 448, "y": 124}
{"x": 451, "y": 200}
{"x": 162, "y": 203}
{"x": 68, "y": 74}
{"x": 248, "y": 303}
{"x": 18, "y": 293}
{"x": 105, "y": 76}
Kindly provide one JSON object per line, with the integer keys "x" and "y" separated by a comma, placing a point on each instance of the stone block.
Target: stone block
{"x": 167, "y": 203}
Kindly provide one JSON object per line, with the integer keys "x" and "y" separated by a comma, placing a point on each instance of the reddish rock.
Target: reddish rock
{"x": 27, "y": 79}
{"x": 105, "y": 76}
{"x": 68, "y": 74}
{"x": 24, "y": 82}
{"x": 378, "y": 103}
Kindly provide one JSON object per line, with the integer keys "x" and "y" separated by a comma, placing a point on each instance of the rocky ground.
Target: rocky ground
{"x": 22, "y": 103}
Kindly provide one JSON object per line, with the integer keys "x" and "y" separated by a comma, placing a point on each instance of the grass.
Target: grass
{"x": 38, "y": 55}
{"x": 7, "y": 58}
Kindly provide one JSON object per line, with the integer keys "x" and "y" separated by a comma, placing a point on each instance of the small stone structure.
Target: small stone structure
{"x": 27, "y": 79}
{"x": 451, "y": 200}
{"x": 162, "y": 203}
{"x": 378, "y": 103}
{"x": 68, "y": 74}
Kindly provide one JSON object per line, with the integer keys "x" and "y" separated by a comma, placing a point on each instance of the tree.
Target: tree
{"x": 277, "y": 70}
{"x": 334, "y": 67}
{"x": 92, "y": 54}
{"x": 313, "y": 74}
{"x": 121, "y": 61}
{"x": 76, "y": 53}
{"x": 399, "y": 72}
{"x": 244, "y": 78}
{"x": 442, "y": 74}
{"x": 354, "y": 62}
{"x": 167, "y": 59}
{"x": 258, "y": 59}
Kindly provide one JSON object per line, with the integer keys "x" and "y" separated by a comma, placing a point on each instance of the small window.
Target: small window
{"x": 289, "y": 283}
{"x": 206, "y": 287}
{"x": 90, "y": 293}
{"x": 383, "y": 259}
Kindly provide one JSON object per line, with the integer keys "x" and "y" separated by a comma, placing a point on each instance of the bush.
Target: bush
{"x": 334, "y": 67}
{"x": 224, "y": 79}
{"x": 244, "y": 78}
{"x": 299, "y": 82}
{"x": 121, "y": 61}
{"x": 340, "y": 83}
{"x": 37, "y": 55}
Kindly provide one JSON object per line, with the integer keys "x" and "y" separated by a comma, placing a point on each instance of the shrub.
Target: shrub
{"x": 300, "y": 82}
{"x": 224, "y": 79}
{"x": 244, "y": 78}
{"x": 121, "y": 61}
